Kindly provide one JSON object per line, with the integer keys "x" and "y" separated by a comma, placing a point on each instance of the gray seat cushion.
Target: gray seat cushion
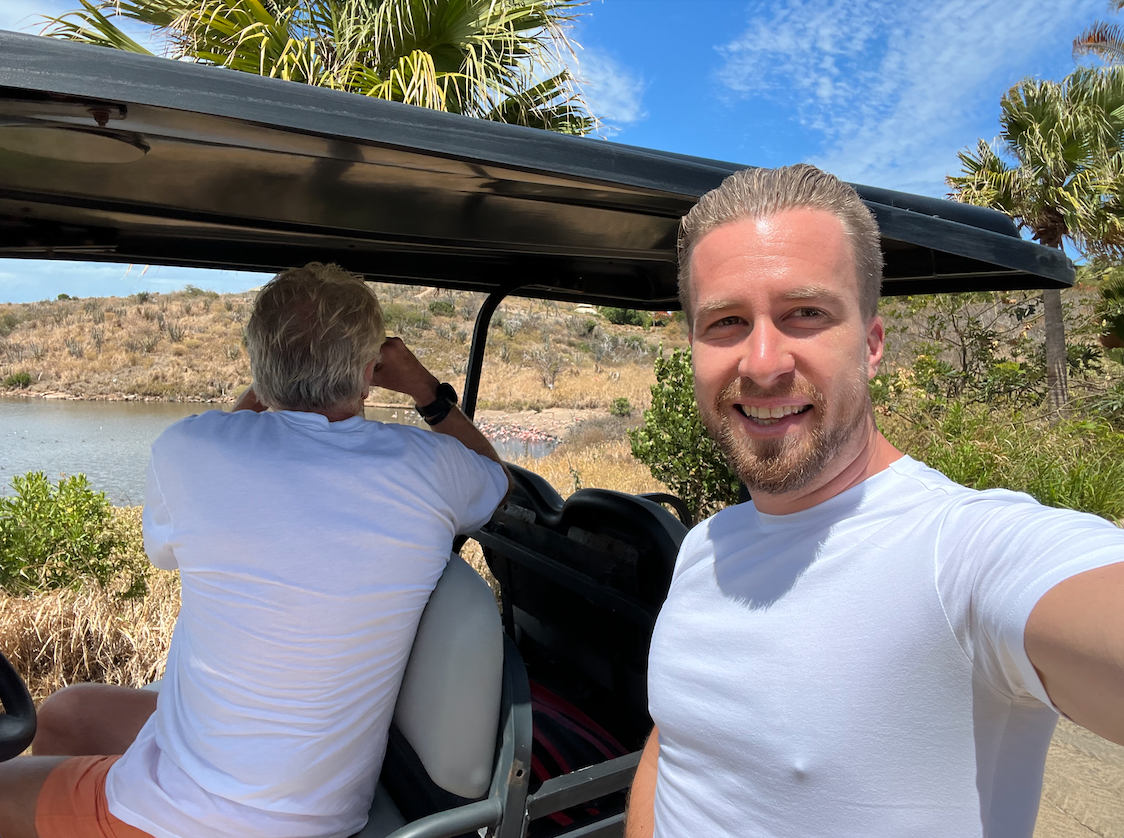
{"x": 449, "y": 706}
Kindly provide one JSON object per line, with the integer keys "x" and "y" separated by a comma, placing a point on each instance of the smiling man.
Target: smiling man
{"x": 866, "y": 648}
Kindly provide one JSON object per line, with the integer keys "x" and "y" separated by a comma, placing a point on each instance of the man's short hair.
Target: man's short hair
{"x": 761, "y": 193}
{"x": 311, "y": 335}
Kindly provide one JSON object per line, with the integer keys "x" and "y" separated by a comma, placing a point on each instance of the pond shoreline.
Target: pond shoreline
{"x": 62, "y": 395}
{"x": 548, "y": 425}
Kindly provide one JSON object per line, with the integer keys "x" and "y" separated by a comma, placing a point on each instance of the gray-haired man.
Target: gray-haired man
{"x": 308, "y": 540}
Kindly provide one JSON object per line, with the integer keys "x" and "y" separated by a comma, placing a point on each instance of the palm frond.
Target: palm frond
{"x": 496, "y": 59}
{"x": 548, "y": 105}
{"x": 1101, "y": 40}
{"x": 987, "y": 180}
{"x": 1067, "y": 143}
{"x": 91, "y": 26}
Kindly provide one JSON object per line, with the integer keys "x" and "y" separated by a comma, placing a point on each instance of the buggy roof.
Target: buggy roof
{"x": 110, "y": 156}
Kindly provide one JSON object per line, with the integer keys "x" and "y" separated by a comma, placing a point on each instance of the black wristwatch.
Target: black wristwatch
{"x": 439, "y": 408}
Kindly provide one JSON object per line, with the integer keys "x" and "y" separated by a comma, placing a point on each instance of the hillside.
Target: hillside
{"x": 190, "y": 346}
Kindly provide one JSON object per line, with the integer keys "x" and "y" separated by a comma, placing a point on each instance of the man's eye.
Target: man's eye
{"x": 725, "y": 321}
{"x": 809, "y": 312}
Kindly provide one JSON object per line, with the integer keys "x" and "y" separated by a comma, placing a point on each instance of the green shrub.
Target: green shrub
{"x": 675, "y": 446}
{"x": 8, "y": 321}
{"x": 620, "y": 407}
{"x": 1074, "y": 464}
{"x": 1109, "y": 311}
{"x": 442, "y": 308}
{"x": 401, "y": 318}
{"x": 626, "y": 316}
{"x": 64, "y": 297}
{"x": 18, "y": 380}
{"x": 142, "y": 296}
{"x": 63, "y": 536}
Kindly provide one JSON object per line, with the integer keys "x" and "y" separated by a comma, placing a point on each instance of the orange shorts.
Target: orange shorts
{"x": 72, "y": 802}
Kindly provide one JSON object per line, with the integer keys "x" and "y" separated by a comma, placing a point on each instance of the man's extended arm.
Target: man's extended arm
{"x": 399, "y": 370}
{"x": 640, "y": 821}
{"x": 1075, "y": 639}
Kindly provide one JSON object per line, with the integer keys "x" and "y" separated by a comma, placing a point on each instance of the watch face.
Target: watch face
{"x": 446, "y": 392}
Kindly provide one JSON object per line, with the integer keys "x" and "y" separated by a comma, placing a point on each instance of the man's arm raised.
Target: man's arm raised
{"x": 399, "y": 370}
{"x": 640, "y": 822}
{"x": 1075, "y": 639}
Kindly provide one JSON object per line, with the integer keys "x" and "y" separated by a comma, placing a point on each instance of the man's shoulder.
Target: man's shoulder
{"x": 992, "y": 515}
{"x": 195, "y": 425}
{"x": 910, "y": 482}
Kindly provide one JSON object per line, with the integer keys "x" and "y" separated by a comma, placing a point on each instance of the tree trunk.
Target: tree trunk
{"x": 1057, "y": 384}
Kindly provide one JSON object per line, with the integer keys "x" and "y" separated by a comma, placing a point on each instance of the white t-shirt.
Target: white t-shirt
{"x": 307, "y": 551}
{"x": 857, "y": 668}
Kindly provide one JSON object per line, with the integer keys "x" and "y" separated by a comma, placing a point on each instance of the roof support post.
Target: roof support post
{"x": 476, "y": 351}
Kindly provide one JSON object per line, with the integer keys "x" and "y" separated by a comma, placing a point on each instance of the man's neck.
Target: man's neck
{"x": 338, "y": 414}
{"x": 870, "y": 454}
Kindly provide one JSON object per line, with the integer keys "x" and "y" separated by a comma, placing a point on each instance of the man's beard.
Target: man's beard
{"x": 779, "y": 465}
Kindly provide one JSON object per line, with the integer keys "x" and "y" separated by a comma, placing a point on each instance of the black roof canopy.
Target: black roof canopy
{"x": 109, "y": 156}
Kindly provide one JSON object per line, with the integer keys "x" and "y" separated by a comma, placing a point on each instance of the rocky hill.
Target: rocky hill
{"x": 190, "y": 346}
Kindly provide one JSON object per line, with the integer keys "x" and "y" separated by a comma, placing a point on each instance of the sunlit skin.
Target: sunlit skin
{"x": 776, "y": 314}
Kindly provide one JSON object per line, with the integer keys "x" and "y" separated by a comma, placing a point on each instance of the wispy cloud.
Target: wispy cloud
{"x": 895, "y": 88}
{"x": 614, "y": 93}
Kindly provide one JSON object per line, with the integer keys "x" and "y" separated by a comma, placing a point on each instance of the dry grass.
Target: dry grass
{"x": 607, "y": 465}
{"x": 170, "y": 346}
{"x": 516, "y": 387}
{"x": 68, "y": 637}
{"x": 188, "y": 345}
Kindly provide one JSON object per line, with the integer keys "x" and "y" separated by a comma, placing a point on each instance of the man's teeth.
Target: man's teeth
{"x": 771, "y": 415}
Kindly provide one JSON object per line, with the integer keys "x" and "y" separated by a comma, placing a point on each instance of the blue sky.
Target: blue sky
{"x": 881, "y": 92}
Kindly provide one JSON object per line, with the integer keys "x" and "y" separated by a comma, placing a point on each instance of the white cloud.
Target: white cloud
{"x": 613, "y": 92}
{"x": 895, "y": 87}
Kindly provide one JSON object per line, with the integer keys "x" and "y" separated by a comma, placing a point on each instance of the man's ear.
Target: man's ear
{"x": 875, "y": 345}
{"x": 369, "y": 370}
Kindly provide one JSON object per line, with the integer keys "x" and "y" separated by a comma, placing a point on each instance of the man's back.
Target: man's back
{"x": 307, "y": 551}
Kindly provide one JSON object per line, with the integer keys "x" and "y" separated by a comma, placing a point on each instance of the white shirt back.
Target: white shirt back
{"x": 307, "y": 551}
{"x": 858, "y": 668}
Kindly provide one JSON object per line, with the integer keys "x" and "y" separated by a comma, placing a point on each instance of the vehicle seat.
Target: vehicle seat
{"x": 442, "y": 744}
{"x": 582, "y": 583}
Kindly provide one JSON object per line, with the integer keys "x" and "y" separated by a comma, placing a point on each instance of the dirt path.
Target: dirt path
{"x": 1083, "y": 792}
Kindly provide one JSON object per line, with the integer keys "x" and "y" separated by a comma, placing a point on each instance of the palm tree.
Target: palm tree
{"x": 496, "y": 59}
{"x": 1059, "y": 172}
{"x": 1102, "y": 40}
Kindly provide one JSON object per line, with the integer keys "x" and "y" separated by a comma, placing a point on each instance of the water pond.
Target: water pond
{"x": 109, "y": 441}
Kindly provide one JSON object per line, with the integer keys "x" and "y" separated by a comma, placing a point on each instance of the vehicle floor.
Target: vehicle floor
{"x": 1083, "y": 792}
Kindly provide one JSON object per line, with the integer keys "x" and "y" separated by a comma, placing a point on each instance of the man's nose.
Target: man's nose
{"x": 766, "y": 355}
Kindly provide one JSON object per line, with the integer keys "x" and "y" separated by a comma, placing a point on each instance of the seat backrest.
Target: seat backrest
{"x": 449, "y": 706}
{"x": 582, "y": 585}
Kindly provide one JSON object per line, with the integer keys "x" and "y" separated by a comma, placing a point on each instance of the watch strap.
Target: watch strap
{"x": 436, "y": 411}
